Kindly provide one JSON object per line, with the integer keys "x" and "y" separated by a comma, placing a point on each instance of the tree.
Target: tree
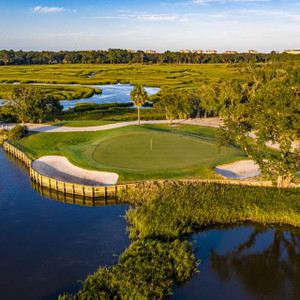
{"x": 273, "y": 115}
{"x": 139, "y": 96}
{"x": 32, "y": 105}
{"x": 175, "y": 104}
{"x": 233, "y": 94}
{"x": 205, "y": 99}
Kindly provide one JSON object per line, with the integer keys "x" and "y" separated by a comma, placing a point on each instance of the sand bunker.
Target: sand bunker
{"x": 60, "y": 168}
{"x": 240, "y": 169}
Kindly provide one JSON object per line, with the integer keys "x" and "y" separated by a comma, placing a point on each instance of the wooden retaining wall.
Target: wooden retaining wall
{"x": 64, "y": 187}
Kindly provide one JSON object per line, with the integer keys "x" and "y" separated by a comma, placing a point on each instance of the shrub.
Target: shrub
{"x": 18, "y": 132}
{"x": 3, "y": 136}
{"x": 146, "y": 270}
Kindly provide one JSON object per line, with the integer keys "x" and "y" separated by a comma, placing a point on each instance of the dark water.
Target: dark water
{"x": 46, "y": 246}
{"x": 245, "y": 262}
{"x": 110, "y": 93}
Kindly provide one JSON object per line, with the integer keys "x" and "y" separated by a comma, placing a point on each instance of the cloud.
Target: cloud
{"x": 142, "y": 17}
{"x": 240, "y": 15}
{"x": 274, "y": 13}
{"x": 223, "y": 1}
{"x": 51, "y": 9}
{"x": 159, "y": 17}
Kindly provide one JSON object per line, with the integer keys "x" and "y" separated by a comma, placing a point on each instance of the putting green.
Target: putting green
{"x": 152, "y": 150}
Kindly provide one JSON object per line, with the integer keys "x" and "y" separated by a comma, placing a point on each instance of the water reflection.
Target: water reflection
{"x": 268, "y": 270}
{"x": 246, "y": 262}
{"x": 73, "y": 199}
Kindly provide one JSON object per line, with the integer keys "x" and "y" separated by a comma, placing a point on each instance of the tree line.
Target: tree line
{"x": 122, "y": 56}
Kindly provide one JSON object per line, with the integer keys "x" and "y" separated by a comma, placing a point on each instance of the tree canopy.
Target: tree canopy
{"x": 139, "y": 96}
{"x": 32, "y": 105}
{"x": 270, "y": 110}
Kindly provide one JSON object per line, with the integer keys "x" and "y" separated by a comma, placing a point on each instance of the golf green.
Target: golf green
{"x": 153, "y": 150}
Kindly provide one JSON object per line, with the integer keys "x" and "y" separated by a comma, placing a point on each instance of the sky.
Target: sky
{"x": 241, "y": 25}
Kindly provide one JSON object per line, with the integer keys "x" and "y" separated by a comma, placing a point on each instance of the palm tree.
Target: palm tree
{"x": 139, "y": 96}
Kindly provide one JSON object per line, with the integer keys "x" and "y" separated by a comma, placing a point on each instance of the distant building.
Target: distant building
{"x": 150, "y": 51}
{"x": 292, "y": 51}
{"x": 230, "y": 52}
{"x": 252, "y": 52}
{"x": 130, "y": 51}
{"x": 185, "y": 51}
{"x": 198, "y": 51}
{"x": 211, "y": 51}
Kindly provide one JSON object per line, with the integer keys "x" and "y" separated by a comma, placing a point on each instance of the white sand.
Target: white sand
{"x": 240, "y": 169}
{"x": 60, "y": 168}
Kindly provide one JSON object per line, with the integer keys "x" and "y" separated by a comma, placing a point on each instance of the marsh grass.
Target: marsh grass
{"x": 170, "y": 210}
{"x": 59, "y": 92}
{"x": 188, "y": 76}
{"x": 163, "y": 215}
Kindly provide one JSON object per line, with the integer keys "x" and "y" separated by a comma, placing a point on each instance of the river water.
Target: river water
{"x": 111, "y": 93}
{"x": 48, "y": 247}
{"x": 245, "y": 262}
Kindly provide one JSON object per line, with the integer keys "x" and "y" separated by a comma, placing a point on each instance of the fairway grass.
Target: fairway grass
{"x": 183, "y": 152}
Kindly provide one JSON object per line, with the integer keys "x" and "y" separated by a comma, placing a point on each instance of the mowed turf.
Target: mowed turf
{"x": 184, "y": 151}
{"x": 154, "y": 150}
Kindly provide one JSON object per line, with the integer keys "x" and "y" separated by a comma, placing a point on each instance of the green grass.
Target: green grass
{"x": 59, "y": 92}
{"x": 169, "y": 151}
{"x": 113, "y": 150}
{"x": 171, "y": 210}
{"x": 188, "y": 76}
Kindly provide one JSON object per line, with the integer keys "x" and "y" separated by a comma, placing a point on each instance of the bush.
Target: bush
{"x": 146, "y": 270}
{"x": 3, "y": 136}
{"x": 170, "y": 210}
{"x": 18, "y": 132}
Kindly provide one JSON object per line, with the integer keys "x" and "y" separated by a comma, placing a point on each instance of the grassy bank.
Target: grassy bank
{"x": 163, "y": 216}
{"x": 114, "y": 114}
{"x": 60, "y": 92}
{"x": 127, "y": 151}
{"x": 174, "y": 210}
